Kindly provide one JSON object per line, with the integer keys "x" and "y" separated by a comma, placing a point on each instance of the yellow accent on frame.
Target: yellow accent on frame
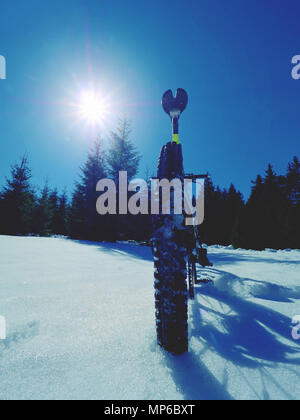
{"x": 176, "y": 138}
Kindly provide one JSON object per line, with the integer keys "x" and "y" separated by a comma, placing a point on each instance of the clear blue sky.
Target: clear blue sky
{"x": 233, "y": 57}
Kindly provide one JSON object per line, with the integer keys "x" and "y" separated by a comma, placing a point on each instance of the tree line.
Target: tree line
{"x": 24, "y": 210}
{"x": 269, "y": 219}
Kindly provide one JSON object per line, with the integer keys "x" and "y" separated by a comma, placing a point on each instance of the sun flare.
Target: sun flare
{"x": 92, "y": 108}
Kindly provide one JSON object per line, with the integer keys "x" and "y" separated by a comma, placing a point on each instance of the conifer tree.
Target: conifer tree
{"x": 291, "y": 224}
{"x": 17, "y": 200}
{"x": 43, "y": 213}
{"x": 234, "y": 208}
{"x": 53, "y": 210}
{"x": 123, "y": 156}
{"x": 85, "y": 222}
{"x": 252, "y": 222}
{"x": 274, "y": 210}
{"x": 293, "y": 181}
{"x": 77, "y": 213}
{"x": 205, "y": 230}
{"x": 62, "y": 215}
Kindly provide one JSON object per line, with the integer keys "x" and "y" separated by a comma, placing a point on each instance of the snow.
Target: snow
{"x": 80, "y": 324}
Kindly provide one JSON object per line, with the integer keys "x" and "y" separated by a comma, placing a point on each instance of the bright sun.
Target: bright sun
{"x": 91, "y": 107}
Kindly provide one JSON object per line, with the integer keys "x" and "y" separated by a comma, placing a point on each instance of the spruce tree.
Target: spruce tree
{"x": 78, "y": 213}
{"x": 43, "y": 213}
{"x": 251, "y": 232}
{"x": 291, "y": 224}
{"x": 293, "y": 181}
{"x": 274, "y": 210}
{"x": 17, "y": 200}
{"x": 222, "y": 214}
{"x": 205, "y": 234}
{"x": 85, "y": 222}
{"x": 62, "y": 215}
{"x": 123, "y": 156}
{"x": 262, "y": 224}
{"x": 53, "y": 210}
{"x": 234, "y": 208}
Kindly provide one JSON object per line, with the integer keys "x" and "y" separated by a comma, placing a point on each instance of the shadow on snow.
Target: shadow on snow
{"x": 248, "y": 334}
{"x": 121, "y": 248}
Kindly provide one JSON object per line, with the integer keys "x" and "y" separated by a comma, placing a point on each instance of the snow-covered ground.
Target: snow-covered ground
{"x": 80, "y": 325}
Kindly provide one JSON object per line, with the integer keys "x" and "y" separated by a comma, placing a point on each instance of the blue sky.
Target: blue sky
{"x": 233, "y": 57}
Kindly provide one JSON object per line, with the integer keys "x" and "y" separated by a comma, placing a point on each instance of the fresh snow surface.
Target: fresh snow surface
{"x": 80, "y": 324}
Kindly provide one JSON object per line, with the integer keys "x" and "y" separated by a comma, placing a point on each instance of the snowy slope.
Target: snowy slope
{"x": 80, "y": 325}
